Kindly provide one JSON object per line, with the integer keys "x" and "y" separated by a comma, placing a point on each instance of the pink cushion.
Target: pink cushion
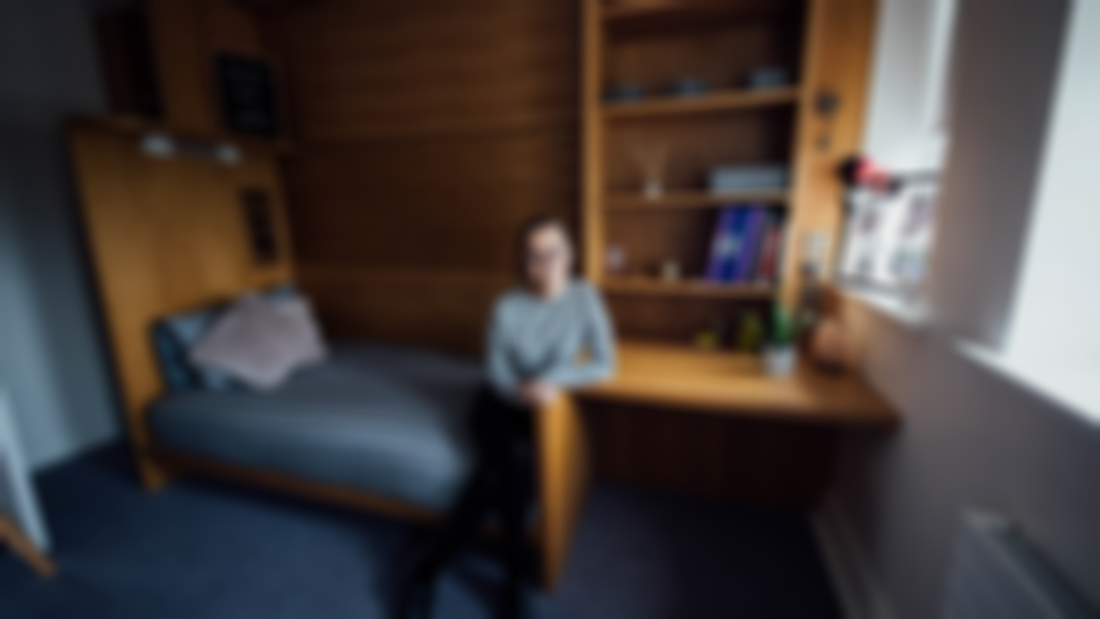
{"x": 260, "y": 342}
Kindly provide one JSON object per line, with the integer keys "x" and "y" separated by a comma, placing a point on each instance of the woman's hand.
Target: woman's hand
{"x": 538, "y": 394}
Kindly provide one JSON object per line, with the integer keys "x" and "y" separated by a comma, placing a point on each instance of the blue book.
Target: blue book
{"x": 734, "y": 239}
{"x": 755, "y": 228}
{"x": 720, "y": 251}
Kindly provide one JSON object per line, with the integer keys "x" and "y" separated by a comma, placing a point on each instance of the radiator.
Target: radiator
{"x": 997, "y": 574}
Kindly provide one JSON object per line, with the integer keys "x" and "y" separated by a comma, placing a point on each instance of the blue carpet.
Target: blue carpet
{"x": 205, "y": 550}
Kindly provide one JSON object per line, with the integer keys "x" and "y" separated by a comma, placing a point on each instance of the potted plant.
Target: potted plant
{"x": 781, "y": 354}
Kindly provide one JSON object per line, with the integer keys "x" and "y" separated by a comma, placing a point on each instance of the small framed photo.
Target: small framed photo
{"x": 248, "y": 95}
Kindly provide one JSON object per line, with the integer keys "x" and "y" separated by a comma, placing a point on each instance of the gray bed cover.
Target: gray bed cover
{"x": 387, "y": 420}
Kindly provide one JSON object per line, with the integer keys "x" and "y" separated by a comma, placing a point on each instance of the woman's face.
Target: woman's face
{"x": 549, "y": 260}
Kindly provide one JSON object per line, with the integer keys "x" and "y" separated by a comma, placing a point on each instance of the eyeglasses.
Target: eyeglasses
{"x": 549, "y": 256}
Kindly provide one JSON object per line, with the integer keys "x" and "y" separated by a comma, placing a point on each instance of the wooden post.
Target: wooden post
{"x": 563, "y": 483}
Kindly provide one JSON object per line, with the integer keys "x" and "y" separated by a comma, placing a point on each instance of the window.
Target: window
{"x": 888, "y": 238}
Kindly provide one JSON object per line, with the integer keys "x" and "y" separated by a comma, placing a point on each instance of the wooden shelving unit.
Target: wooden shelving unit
{"x": 716, "y": 102}
{"x": 652, "y": 286}
{"x": 652, "y": 16}
{"x": 679, "y": 200}
{"x": 651, "y": 44}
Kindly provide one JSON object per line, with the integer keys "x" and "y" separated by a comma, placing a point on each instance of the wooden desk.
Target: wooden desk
{"x": 735, "y": 385}
{"x": 713, "y": 424}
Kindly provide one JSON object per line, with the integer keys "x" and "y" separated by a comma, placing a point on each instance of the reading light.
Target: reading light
{"x": 158, "y": 145}
{"x": 227, "y": 154}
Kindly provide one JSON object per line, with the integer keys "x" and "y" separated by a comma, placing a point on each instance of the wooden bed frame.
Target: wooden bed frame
{"x": 169, "y": 234}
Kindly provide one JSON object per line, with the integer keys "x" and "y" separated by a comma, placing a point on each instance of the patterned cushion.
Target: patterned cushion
{"x": 177, "y": 334}
{"x": 260, "y": 342}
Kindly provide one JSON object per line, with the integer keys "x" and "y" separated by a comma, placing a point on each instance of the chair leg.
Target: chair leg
{"x": 22, "y": 547}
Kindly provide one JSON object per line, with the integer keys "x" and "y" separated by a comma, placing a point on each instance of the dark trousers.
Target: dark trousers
{"x": 502, "y": 482}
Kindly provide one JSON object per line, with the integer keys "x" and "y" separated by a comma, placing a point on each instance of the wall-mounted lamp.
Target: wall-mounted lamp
{"x": 163, "y": 146}
{"x": 158, "y": 145}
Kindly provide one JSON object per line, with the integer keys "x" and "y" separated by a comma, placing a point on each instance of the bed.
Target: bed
{"x": 374, "y": 427}
{"x": 382, "y": 419}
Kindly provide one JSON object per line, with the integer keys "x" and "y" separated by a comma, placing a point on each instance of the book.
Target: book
{"x": 736, "y": 235}
{"x": 717, "y": 245}
{"x": 724, "y": 244}
{"x": 750, "y": 245}
{"x": 768, "y": 264}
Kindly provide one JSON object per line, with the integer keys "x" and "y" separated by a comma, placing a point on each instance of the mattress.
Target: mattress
{"x": 387, "y": 420}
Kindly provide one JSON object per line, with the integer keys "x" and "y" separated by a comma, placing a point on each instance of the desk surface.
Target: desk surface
{"x": 735, "y": 385}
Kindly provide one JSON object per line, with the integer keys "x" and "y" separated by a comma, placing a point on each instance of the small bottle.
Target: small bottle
{"x": 750, "y": 334}
{"x": 808, "y": 311}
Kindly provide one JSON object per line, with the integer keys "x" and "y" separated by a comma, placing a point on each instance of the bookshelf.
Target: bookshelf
{"x": 648, "y": 46}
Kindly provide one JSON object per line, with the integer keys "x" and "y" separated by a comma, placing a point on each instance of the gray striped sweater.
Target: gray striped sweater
{"x": 566, "y": 341}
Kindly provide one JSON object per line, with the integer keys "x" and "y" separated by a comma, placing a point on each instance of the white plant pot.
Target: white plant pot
{"x": 653, "y": 190}
{"x": 780, "y": 362}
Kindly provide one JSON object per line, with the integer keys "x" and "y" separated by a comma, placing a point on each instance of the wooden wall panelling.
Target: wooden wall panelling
{"x": 165, "y": 235}
{"x": 185, "y": 37}
{"x": 445, "y": 309}
{"x": 428, "y": 131}
{"x": 451, "y": 204}
{"x": 360, "y": 70}
{"x": 175, "y": 35}
{"x": 122, "y": 37}
{"x": 837, "y": 58}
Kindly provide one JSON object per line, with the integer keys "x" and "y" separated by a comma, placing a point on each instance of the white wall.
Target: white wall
{"x": 1056, "y": 316}
{"x": 971, "y": 438}
{"x": 52, "y": 359}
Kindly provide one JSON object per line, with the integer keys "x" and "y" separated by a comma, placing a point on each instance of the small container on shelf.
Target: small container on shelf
{"x": 623, "y": 93}
{"x": 670, "y": 271}
{"x": 689, "y": 87}
{"x": 741, "y": 178}
{"x": 765, "y": 78}
{"x": 781, "y": 353}
{"x": 652, "y": 158}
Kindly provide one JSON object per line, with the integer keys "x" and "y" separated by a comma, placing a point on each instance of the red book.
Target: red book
{"x": 767, "y": 265}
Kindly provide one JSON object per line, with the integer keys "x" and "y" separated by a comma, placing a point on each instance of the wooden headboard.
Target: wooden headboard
{"x": 168, "y": 234}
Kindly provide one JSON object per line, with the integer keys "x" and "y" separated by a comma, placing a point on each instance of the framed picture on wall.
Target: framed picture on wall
{"x": 248, "y": 95}
{"x": 888, "y": 238}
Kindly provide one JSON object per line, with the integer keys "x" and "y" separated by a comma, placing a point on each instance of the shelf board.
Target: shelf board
{"x": 652, "y": 16}
{"x": 651, "y": 286}
{"x": 686, "y": 200}
{"x": 138, "y": 125}
{"x": 719, "y": 101}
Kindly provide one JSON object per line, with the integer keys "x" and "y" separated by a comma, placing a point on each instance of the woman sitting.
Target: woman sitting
{"x": 548, "y": 335}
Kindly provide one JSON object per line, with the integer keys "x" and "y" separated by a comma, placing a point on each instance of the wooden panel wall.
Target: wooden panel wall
{"x": 427, "y": 131}
{"x": 186, "y": 35}
{"x": 786, "y": 466}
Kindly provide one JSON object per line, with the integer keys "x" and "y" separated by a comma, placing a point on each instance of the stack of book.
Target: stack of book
{"x": 746, "y": 246}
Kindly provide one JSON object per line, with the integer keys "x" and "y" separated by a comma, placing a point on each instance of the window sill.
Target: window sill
{"x": 1075, "y": 389}
{"x": 907, "y": 314}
